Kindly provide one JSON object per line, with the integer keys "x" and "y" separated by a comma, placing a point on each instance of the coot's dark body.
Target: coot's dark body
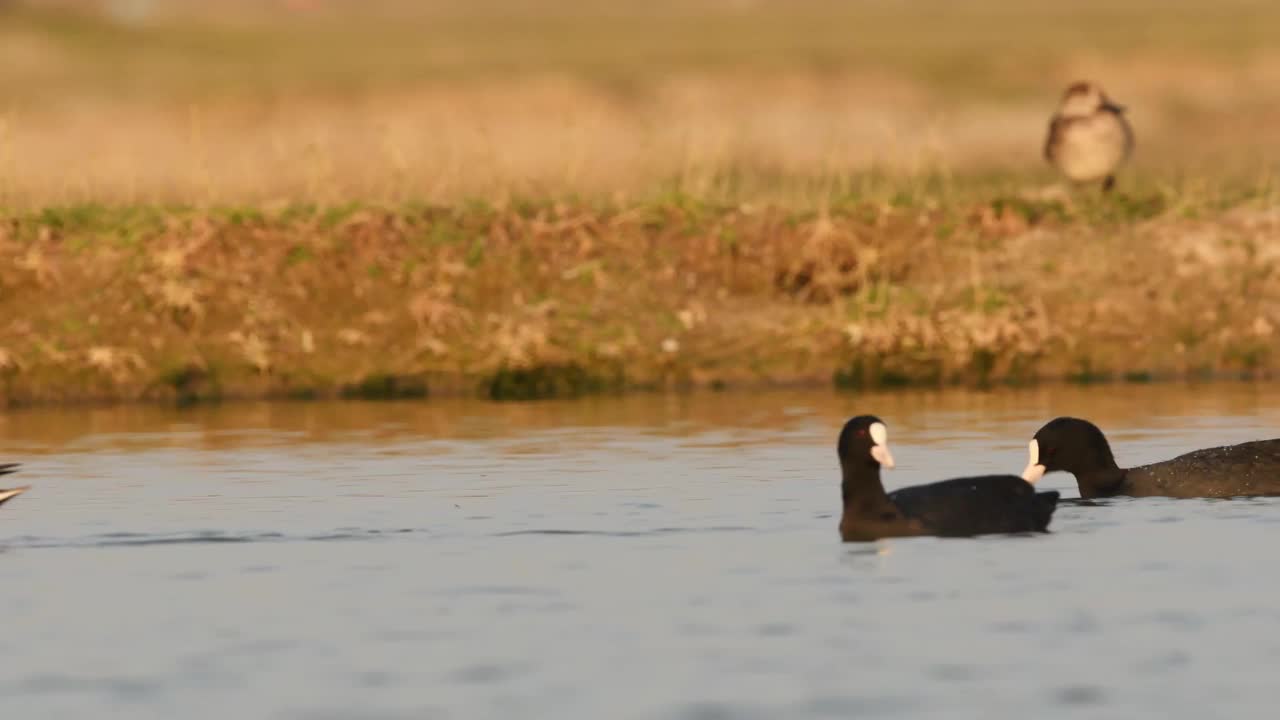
{"x": 1244, "y": 470}
{"x": 1079, "y": 447}
{"x": 978, "y": 505}
{"x": 993, "y": 504}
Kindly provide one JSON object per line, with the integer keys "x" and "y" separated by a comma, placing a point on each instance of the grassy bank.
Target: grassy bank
{"x": 389, "y": 198}
{"x": 531, "y": 300}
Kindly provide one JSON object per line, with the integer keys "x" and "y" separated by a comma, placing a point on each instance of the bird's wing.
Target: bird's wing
{"x": 1054, "y": 137}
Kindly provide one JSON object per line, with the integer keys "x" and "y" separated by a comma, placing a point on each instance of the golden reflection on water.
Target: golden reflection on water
{"x": 739, "y": 417}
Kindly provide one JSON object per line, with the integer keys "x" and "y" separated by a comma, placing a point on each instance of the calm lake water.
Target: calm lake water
{"x": 646, "y": 557}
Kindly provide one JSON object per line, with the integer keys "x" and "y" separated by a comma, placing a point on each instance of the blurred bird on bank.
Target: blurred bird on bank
{"x": 1089, "y": 137}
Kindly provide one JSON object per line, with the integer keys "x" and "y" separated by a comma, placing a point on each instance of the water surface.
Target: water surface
{"x": 642, "y": 557}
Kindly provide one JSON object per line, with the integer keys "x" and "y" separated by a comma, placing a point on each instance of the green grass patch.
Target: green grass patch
{"x": 550, "y": 381}
{"x": 387, "y": 386}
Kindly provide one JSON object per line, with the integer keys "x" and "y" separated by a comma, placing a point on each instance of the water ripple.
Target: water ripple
{"x": 628, "y": 533}
{"x": 206, "y": 537}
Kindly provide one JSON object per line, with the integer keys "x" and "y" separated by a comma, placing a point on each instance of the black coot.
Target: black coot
{"x": 7, "y": 495}
{"x": 1079, "y": 447}
{"x": 952, "y": 508}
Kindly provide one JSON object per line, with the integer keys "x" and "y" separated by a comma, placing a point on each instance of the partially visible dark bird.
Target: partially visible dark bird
{"x": 11, "y": 493}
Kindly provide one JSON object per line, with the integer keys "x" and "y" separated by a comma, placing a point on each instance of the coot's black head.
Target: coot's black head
{"x": 1071, "y": 444}
{"x": 864, "y": 441}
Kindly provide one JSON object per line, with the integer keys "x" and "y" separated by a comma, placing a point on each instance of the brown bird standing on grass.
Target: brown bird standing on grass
{"x": 7, "y": 495}
{"x": 1089, "y": 137}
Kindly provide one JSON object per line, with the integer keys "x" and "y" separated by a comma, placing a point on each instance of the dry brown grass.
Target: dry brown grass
{"x": 528, "y": 301}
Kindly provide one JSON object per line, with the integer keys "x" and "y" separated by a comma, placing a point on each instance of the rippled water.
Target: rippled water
{"x": 647, "y": 557}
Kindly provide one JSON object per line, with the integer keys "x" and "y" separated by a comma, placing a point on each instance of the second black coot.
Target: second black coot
{"x": 1079, "y": 447}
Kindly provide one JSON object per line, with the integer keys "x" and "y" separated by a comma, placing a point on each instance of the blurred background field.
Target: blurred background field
{"x": 792, "y": 101}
